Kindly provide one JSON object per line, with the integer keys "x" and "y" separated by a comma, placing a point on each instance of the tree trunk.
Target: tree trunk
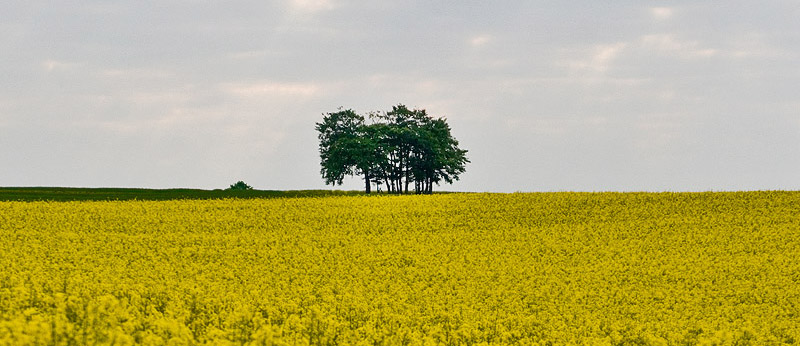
{"x": 368, "y": 186}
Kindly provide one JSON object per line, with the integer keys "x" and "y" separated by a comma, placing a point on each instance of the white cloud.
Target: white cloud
{"x": 661, "y": 13}
{"x": 251, "y": 54}
{"x": 312, "y": 5}
{"x": 557, "y": 126}
{"x": 132, "y": 73}
{"x": 180, "y": 117}
{"x": 4, "y": 107}
{"x": 605, "y": 55}
{"x": 51, "y": 65}
{"x": 669, "y": 44}
{"x": 661, "y": 133}
{"x": 168, "y": 97}
{"x": 480, "y": 40}
{"x": 755, "y": 45}
{"x": 173, "y": 118}
{"x": 600, "y": 59}
{"x": 395, "y": 81}
{"x": 261, "y": 89}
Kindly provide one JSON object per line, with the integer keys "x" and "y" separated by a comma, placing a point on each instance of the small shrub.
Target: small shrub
{"x": 240, "y": 185}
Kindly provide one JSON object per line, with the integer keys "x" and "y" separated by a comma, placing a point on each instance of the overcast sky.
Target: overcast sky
{"x": 545, "y": 95}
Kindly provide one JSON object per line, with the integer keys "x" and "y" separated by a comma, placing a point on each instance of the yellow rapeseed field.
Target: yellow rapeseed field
{"x": 454, "y": 269}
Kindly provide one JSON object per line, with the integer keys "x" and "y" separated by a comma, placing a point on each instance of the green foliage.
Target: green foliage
{"x": 340, "y": 145}
{"x": 240, "y": 186}
{"x": 398, "y": 148}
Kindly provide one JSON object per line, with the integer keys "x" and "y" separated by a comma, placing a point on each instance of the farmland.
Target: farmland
{"x": 452, "y": 269}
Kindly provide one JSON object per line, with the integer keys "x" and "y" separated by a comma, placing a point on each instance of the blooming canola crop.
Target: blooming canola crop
{"x": 450, "y": 269}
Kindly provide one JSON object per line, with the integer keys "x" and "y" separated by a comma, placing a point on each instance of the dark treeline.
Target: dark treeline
{"x": 398, "y": 149}
{"x": 125, "y": 194}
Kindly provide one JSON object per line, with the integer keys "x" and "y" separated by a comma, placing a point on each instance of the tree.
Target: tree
{"x": 397, "y": 148}
{"x": 344, "y": 147}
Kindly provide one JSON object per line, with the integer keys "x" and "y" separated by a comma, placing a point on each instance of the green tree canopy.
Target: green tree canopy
{"x": 395, "y": 149}
{"x": 240, "y": 185}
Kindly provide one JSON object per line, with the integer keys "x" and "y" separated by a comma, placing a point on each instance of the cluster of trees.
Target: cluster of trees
{"x": 394, "y": 149}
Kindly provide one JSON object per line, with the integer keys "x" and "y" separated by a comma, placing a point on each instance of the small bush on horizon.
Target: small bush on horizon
{"x": 240, "y": 185}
